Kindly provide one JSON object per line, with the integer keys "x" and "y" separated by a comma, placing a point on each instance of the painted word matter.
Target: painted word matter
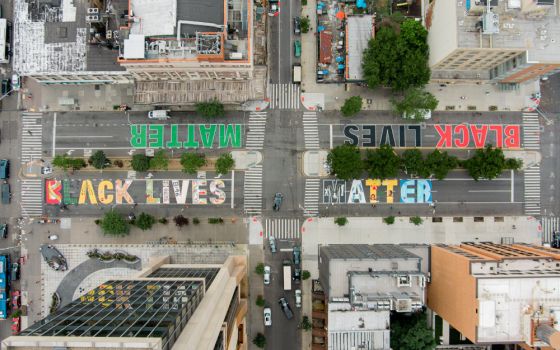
{"x": 450, "y": 135}
{"x": 377, "y": 191}
{"x": 109, "y": 192}
{"x": 186, "y": 135}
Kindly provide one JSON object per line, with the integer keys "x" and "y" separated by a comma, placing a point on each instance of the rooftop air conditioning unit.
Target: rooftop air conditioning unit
{"x": 404, "y": 305}
{"x": 92, "y": 10}
{"x": 403, "y": 281}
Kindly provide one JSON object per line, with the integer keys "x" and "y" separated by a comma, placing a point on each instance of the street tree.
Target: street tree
{"x": 341, "y": 221}
{"x": 180, "y": 221}
{"x": 225, "y": 163}
{"x": 65, "y": 162}
{"x": 351, "y": 106}
{"x": 345, "y": 162}
{"x": 411, "y": 332}
{"x": 160, "y": 160}
{"x": 113, "y": 224}
{"x": 305, "y": 275}
{"x": 260, "y": 301}
{"x": 259, "y": 269}
{"x": 259, "y": 340}
{"x": 397, "y": 57}
{"x": 416, "y": 220}
{"x": 210, "y": 109}
{"x": 145, "y": 221}
{"x": 439, "y": 164}
{"x": 140, "y": 162}
{"x": 99, "y": 160}
{"x": 486, "y": 163}
{"x": 191, "y": 162}
{"x": 305, "y": 324}
{"x": 513, "y": 164}
{"x": 304, "y": 25}
{"x": 413, "y": 162}
{"x": 415, "y": 103}
{"x": 382, "y": 163}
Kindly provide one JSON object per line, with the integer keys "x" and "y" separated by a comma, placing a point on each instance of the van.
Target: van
{"x": 4, "y": 169}
{"x": 161, "y": 114}
{"x": 297, "y": 48}
{"x": 6, "y": 195}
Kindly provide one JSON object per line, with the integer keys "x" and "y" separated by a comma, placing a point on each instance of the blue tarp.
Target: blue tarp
{"x": 340, "y": 59}
{"x": 341, "y": 66}
{"x": 361, "y": 4}
{"x": 320, "y": 28}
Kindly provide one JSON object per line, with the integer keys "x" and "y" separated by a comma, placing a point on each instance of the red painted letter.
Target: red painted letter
{"x": 464, "y": 131}
{"x": 479, "y": 135}
{"x": 52, "y": 191}
{"x": 512, "y": 136}
{"x": 499, "y": 134}
{"x": 444, "y": 136}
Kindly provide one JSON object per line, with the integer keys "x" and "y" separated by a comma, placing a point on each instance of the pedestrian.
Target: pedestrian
{"x": 29, "y": 132}
{"x": 463, "y": 98}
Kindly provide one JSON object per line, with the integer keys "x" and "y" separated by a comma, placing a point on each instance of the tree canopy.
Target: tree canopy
{"x": 382, "y": 163}
{"x": 145, "y": 221}
{"x": 414, "y": 104}
{"x": 191, "y": 162}
{"x": 99, "y": 160}
{"x": 345, "y": 162}
{"x": 114, "y": 224}
{"x": 486, "y": 163}
{"x": 160, "y": 160}
{"x": 440, "y": 163}
{"x": 65, "y": 162}
{"x": 413, "y": 162}
{"x": 398, "y": 57}
{"x": 411, "y": 333}
{"x": 351, "y": 106}
{"x": 210, "y": 109}
{"x": 140, "y": 162}
{"x": 225, "y": 163}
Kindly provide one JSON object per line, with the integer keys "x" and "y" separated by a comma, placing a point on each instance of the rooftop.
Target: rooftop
{"x": 360, "y": 31}
{"x": 364, "y": 251}
{"x": 348, "y": 330}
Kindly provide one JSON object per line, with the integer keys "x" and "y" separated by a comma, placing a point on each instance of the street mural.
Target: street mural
{"x": 450, "y": 135}
{"x": 186, "y": 135}
{"x": 377, "y": 191}
{"x": 108, "y": 192}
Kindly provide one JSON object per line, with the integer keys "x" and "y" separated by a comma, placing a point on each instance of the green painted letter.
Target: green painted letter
{"x": 174, "y": 143}
{"x": 207, "y": 134}
{"x": 156, "y": 135}
{"x": 191, "y": 140}
{"x": 138, "y": 134}
{"x": 230, "y": 136}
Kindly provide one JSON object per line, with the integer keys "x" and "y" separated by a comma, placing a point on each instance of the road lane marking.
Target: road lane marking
{"x": 489, "y": 191}
{"x": 512, "y": 185}
{"x": 85, "y": 136}
{"x": 232, "y": 187}
{"x": 54, "y": 135}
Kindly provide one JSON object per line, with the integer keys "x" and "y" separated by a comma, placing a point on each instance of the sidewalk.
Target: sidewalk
{"x": 458, "y": 97}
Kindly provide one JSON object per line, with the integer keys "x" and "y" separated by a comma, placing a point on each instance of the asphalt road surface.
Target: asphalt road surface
{"x": 281, "y": 42}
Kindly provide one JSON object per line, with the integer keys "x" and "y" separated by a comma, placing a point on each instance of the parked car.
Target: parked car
{"x": 4, "y": 230}
{"x": 4, "y": 169}
{"x": 16, "y": 82}
{"x": 6, "y": 194}
{"x": 274, "y": 9}
{"x": 296, "y": 252}
{"x": 296, "y": 276}
{"x": 16, "y": 300}
{"x": 267, "y": 275}
{"x": 5, "y": 86}
{"x": 14, "y": 272}
{"x": 297, "y": 48}
{"x": 267, "y": 317}
{"x": 297, "y": 25}
{"x": 46, "y": 170}
{"x": 277, "y": 201}
{"x": 161, "y": 114}
{"x": 53, "y": 237}
{"x": 298, "y": 298}
{"x": 286, "y": 308}
{"x": 272, "y": 243}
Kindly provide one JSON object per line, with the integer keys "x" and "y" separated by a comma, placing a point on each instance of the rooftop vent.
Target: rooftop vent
{"x": 490, "y": 23}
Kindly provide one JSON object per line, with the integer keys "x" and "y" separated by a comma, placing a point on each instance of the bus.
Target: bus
{"x": 4, "y": 45}
{"x": 287, "y": 275}
{"x": 3, "y": 287}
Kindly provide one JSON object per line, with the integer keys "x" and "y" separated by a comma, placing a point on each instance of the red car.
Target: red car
{"x": 16, "y": 325}
{"x": 16, "y": 300}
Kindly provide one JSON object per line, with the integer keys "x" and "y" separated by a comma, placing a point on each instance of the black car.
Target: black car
{"x": 14, "y": 273}
{"x": 296, "y": 275}
{"x": 5, "y": 86}
{"x": 286, "y": 308}
{"x": 297, "y": 25}
{"x": 4, "y": 230}
{"x": 6, "y": 194}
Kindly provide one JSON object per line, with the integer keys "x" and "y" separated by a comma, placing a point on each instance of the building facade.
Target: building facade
{"x": 493, "y": 41}
{"x": 167, "y": 306}
{"x": 498, "y": 294}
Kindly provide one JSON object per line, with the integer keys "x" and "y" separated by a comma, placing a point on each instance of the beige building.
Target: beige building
{"x": 166, "y": 306}
{"x": 497, "y": 41}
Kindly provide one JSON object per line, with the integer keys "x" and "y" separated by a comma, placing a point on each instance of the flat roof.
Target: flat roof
{"x": 209, "y": 11}
{"x": 154, "y": 17}
{"x": 364, "y": 251}
{"x": 360, "y": 31}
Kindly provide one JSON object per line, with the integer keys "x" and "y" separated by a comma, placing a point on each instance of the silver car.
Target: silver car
{"x": 267, "y": 317}
{"x": 272, "y": 243}
{"x": 267, "y": 275}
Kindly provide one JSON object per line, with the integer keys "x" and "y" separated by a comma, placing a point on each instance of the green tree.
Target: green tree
{"x": 113, "y": 224}
{"x": 65, "y": 162}
{"x": 260, "y": 301}
{"x": 304, "y": 24}
{"x": 351, "y": 106}
{"x": 486, "y": 163}
{"x": 160, "y": 160}
{"x": 145, "y": 221}
{"x": 210, "y": 109}
{"x": 389, "y": 220}
{"x": 140, "y": 162}
{"x": 259, "y": 269}
{"x": 341, "y": 221}
{"x": 382, "y": 163}
{"x": 397, "y": 58}
{"x": 416, "y": 220}
{"x": 191, "y": 162}
{"x": 513, "y": 164}
{"x": 345, "y": 162}
{"x": 440, "y": 163}
{"x": 413, "y": 162}
{"x": 305, "y": 324}
{"x": 259, "y": 340}
{"x": 305, "y": 275}
{"x": 411, "y": 332}
{"x": 99, "y": 160}
{"x": 414, "y": 104}
{"x": 225, "y": 163}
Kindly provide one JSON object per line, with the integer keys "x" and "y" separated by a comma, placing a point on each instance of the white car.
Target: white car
{"x": 16, "y": 82}
{"x": 298, "y": 298}
{"x": 267, "y": 275}
{"x": 267, "y": 317}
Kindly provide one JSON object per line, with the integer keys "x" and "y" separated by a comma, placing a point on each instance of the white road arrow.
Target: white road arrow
{"x": 69, "y": 152}
{"x": 131, "y": 152}
{"x": 149, "y": 176}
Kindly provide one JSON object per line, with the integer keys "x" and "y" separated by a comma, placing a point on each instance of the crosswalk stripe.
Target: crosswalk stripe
{"x": 284, "y": 96}
{"x": 531, "y": 131}
{"x": 31, "y": 137}
{"x": 311, "y": 197}
{"x": 550, "y": 224}
{"x": 282, "y": 228}
{"x": 310, "y": 130}
{"x": 252, "y": 191}
{"x": 532, "y": 190}
{"x": 257, "y": 126}
{"x": 31, "y": 197}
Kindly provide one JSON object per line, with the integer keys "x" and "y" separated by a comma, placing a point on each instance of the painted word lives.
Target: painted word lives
{"x": 446, "y": 135}
{"x": 186, "y": 135}
{"x": 377, "y": 191}
{"x": 110, "y": 192}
